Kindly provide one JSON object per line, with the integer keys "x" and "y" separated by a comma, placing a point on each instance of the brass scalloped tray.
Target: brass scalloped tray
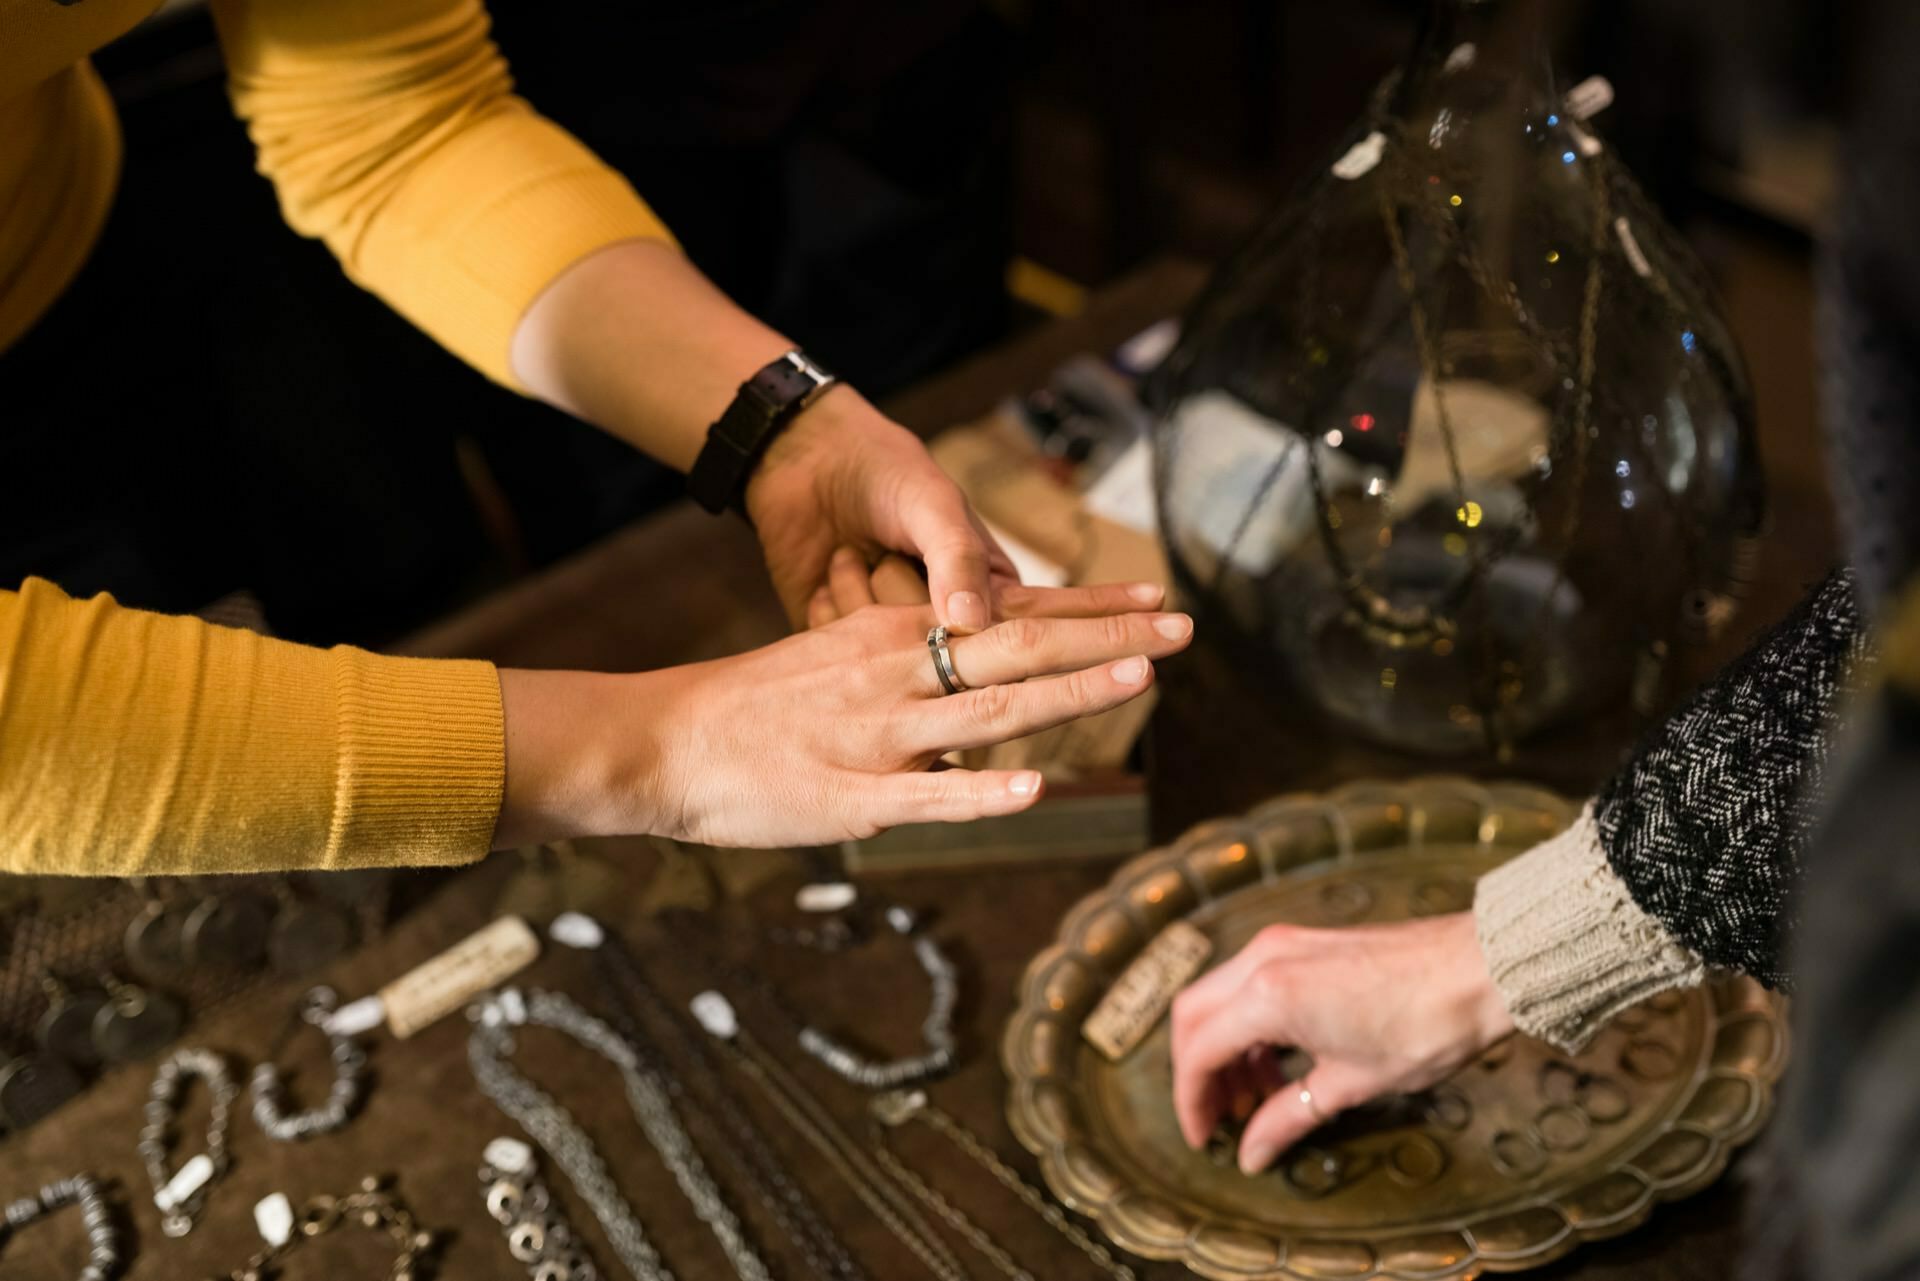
{"x": 1509, "y": 1164}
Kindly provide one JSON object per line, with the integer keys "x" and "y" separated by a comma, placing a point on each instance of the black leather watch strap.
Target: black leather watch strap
{"x": 765, "y": 403}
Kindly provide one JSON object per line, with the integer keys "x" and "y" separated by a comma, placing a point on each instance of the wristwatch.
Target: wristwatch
{"x": 764, "y": 405}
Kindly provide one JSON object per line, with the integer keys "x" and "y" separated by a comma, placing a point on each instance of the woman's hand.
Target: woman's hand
{"x": 1381, "y": 1009}
{"x": 845, "y": 474}
{"x": 851, "y": 585}
{"x": 824, "y": 736}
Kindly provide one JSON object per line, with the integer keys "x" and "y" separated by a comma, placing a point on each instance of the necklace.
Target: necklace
{"x": 181, "y": 1194}
{"x": 103, "y": 1238}
{"x": 349, "y": 1079}
{"x": 855, "y": 1167}
{"x": 936, "y": 1030}
{"x": 556, "y": 1130}
{"x": 623, "y": 984}
{"x": 891, "y": 1111}
{"x": 370, "y": 1207}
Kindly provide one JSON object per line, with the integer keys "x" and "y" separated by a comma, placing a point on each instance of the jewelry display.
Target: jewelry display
{"x": 66, "y": 1029}
{"x": 537, "y": 1233}
{"x": 371, "y": 1208}
{"x": 181, "y": 1194}
{"x": 746, "y": 1149}
{"x": 32, "y": 1085}
{"x": 135, "y": 1022}
{"x": 849, "y": 1160}
{"x": 343, "y": 1098}
{"x": 903, "y": 1107}
{"x": 103, "y": 1238}
{"x": 561, "y": 1136}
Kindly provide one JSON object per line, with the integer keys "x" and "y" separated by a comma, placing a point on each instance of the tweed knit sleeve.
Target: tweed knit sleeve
{"x": 1705, "y": 826}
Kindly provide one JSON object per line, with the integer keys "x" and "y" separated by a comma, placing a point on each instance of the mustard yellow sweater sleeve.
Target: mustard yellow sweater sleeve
{"x": 134, "y": 743}
{"x": 391, "y": 131}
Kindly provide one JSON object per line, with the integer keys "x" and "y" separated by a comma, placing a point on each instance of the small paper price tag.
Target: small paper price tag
{"x": 1144, "y": 990}
{"x": 1589, "y": 98}
{"x": 577, "y": 930}
{"x": 273, "y": 1215}
{"x": 825, "y": 896}
{"x": 1361, "y": 157}
{"x": 186, "y": 1181}
{"x": 451, "y": 979}
{"x": 715, "y": 1014}
{"x": 508, "y": 1156}
{"x": 359, "y": 1016}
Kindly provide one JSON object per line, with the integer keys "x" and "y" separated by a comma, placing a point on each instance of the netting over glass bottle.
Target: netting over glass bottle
{"x": 1461, "y": 439}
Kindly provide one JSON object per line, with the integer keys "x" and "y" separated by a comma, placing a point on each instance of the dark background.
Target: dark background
{"x": 213, "y": 408}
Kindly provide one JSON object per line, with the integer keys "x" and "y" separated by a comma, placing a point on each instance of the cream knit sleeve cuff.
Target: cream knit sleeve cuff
{"x": 1566, "y": 944}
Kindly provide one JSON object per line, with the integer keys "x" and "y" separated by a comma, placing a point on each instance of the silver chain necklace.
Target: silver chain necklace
{"x": 550, "y": 1125}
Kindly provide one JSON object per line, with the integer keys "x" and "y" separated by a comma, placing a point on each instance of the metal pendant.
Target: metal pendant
{"x": 135, "y": 1022}
{"x": 33, "y": 1085}
{"x": 229, "y": 930}
{"x": 155, "y": 941}
{"x": 66, "y": 1029}
{"x": 306, "y": 936}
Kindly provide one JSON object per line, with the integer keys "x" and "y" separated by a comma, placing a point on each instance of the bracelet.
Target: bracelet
{"x": 349, "y": 1080}
{"x": 370, "y": 1207}
{"x": 103, "y": 1238}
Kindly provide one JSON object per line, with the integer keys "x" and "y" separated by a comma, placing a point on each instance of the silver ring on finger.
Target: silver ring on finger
{"x": 1306, "y": 1097}
{"x": 950, "y": 682}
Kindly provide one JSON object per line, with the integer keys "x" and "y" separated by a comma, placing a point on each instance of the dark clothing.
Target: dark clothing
{"x": 1706, "y": 824}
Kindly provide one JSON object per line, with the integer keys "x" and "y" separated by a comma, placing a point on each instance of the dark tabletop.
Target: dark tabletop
{"x": 681, "y": 587}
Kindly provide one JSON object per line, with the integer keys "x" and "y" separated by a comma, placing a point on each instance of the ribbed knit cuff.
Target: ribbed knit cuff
{"x": 1566, "y": 944}
{"x": 422, "y": 760}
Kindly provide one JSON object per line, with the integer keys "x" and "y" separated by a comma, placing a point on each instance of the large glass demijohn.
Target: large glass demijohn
{"x": 1460, "y": 445}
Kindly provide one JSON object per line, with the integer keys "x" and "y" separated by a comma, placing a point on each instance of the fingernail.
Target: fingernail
{"x": 1130, "y": 671}
{"x": 1025, "y": 783}
{"x": 1147, "y": 593}
{"x": 844, "y": 554}
{"x": 966, "y": 609}
{"x": 1174, "y": 626}
{"x": 1255, "y": 1157}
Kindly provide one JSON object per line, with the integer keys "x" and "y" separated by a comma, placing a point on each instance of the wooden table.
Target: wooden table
{"x": 682, "y": 587}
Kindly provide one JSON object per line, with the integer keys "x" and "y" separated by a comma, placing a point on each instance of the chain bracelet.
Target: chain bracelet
{"x": 181, "y": 1194}
{"x": 936, "y": 1030}
{"x": 537, "y": 1233}
{"x": 344, "y": 1096}
{"x": 752, "y": 1157}
{"x": 894, "y": 1110}
{"x": 103, "y": 1236}
{"x": 646, "y": 1096}
{"x": 369, "y": 1207}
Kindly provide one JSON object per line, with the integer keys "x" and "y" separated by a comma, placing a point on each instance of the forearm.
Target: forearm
{"x": 635, "y": 340}
{"x": 1690, "y": 854}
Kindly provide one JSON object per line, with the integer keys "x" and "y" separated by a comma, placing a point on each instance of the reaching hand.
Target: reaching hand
{"x": 844, "y": 474}
{"x": 1380, "y": 1008}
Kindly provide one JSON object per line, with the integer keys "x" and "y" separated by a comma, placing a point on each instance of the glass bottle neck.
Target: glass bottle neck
{"x": 1496, "y": 40}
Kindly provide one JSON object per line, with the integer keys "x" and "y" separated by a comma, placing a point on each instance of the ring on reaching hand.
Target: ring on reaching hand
{"x": 943, "y": 661}
{"x": 1306, "y": 1097}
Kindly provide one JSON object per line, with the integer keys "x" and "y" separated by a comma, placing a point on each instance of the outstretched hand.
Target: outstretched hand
{"x": 1381, "y": 1009}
